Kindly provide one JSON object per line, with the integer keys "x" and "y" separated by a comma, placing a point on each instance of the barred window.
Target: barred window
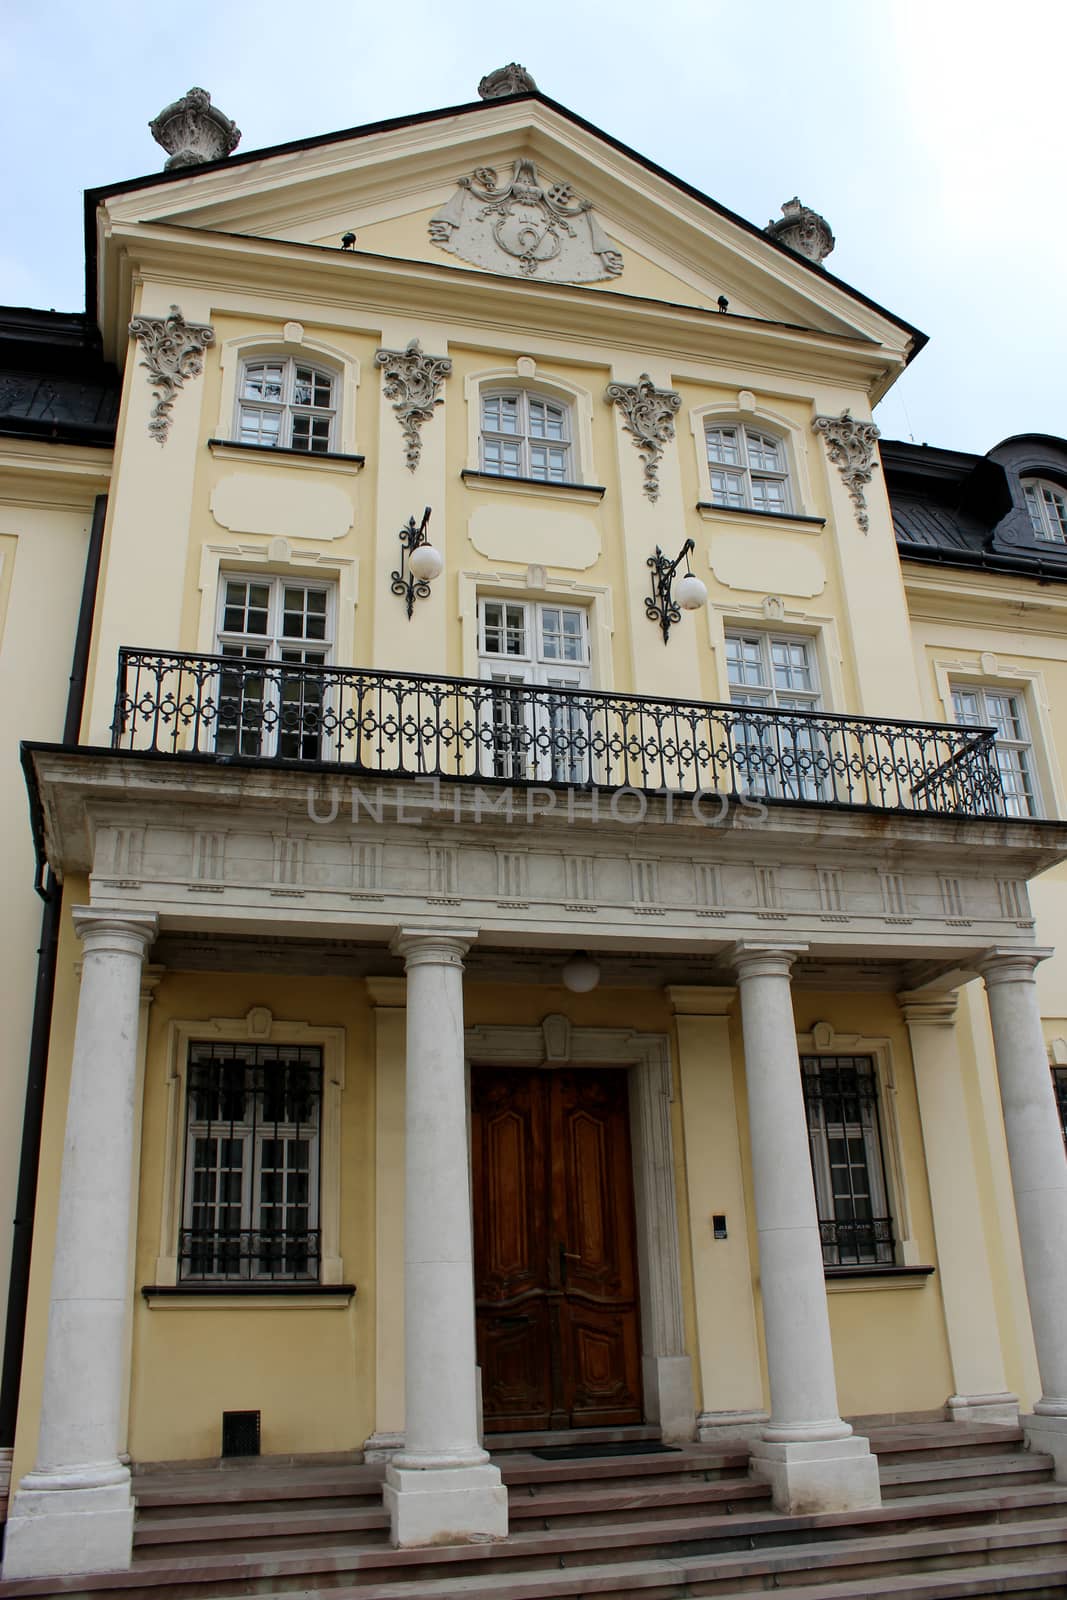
{"x": 1059, "y": 1083}
{"x": 251, "y": 1203}
{"x": 841, "y": 1097}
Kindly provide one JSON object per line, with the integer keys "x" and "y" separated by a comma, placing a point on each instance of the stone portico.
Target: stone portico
{"x": 436, "y": 881}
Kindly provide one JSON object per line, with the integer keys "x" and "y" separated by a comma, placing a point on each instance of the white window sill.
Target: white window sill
{"x": 745, "y": 516}
{"x": 497, "y": 483}
{"x": 329, "y": 461}
{"x": 875, "y": 1280}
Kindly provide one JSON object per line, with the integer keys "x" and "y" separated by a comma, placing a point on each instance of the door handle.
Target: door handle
{"x": 566, "y": 1255}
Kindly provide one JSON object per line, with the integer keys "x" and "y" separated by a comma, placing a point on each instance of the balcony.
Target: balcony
{"x": 469, "y": 730}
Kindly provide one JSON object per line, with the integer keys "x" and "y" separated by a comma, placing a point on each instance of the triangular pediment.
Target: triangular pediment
{"x": 518, "y": 189}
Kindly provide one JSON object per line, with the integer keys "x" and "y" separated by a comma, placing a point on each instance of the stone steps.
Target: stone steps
{"x": 963, "y": 1507}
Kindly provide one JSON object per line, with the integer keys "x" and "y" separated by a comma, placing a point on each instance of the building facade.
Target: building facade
{"x": 538, "y": 851}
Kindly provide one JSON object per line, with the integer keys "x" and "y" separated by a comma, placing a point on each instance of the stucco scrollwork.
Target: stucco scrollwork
{"x": 803, "y": 230}
{"x": 411, "y": 381}
{"x": 193, "y": 131}
{"x": 173, "y": 350}
{"x": 522, "y": 224}
{"x": 511, "y": 79}
{"x": 648, "y": 415}
{"x": 851, "y": 447}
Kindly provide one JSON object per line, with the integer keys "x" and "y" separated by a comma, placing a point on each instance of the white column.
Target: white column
{"x": 811, "y": 1459}
{"x": 74, "y": 1511}
{"x": 1038, "y": 1178}
{"x": 441, "y": 1488}
{"x": 962, "y": 1257}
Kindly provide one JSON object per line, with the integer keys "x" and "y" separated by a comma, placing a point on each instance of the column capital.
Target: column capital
{"x": 698, "y": 1000}
{"x": 1002, "y": 964}
{"x": 127, "y": 933}
{"x": 437, "y": 947}
{"x": 929, "y": 1010}
{"x": 753, "y": 958}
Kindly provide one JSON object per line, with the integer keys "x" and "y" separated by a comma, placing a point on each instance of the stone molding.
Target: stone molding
{"x": 193, "y": 131}
{"x": 929, "y": 1011}
{"x": 648, "y": 416}
{"x": 511, "y": 79}
{"x": 173, "y": 350}
{"x": 526, "y": 226}
{"x": 802, "y": 230}
{"x": 411, "y": 380}
{"x": 851, "y": 447}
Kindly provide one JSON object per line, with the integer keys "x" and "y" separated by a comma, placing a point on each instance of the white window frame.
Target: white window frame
{"x": 535, "y": 667}
{"x": 288, "y": 409}
{"x": 768, "y": 696}
{"x": 1021, "y": 749}
{"x": 1046, "y": 504}
{"x": 273, "y": 641}
{"x": 527, "y": 373}
{"x": 748, "y": 434}
{"x": 258, "y": 1026}
{"x": 282, "y": 341}
{"x": 524, "y": 438}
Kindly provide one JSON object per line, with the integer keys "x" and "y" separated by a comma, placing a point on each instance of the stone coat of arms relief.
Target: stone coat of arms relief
{"x": 526, "y": 227}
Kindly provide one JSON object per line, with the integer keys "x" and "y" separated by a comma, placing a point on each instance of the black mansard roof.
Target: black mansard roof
{"x": 54, "y": 384}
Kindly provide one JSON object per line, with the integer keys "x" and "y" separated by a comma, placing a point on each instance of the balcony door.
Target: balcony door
{"x": 554, "y": 1254}
{"x": 282, "y": 623}
{"x": 528, "y": 650}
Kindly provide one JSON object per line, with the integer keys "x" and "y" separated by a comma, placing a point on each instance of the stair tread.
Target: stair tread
{"x": 978, "y": 1467}
{"x": 549, "y": 1503}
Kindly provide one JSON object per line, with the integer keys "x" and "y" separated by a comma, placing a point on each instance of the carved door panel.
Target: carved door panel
{"x": 555, "y": 1274}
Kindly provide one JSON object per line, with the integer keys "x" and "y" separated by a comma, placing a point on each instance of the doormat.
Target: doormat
{"x": 590, "y": 1452}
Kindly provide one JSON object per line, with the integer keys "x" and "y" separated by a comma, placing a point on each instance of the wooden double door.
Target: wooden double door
{"x": 554, "y": 1254}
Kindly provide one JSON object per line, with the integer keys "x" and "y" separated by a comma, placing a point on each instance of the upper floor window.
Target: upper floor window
{"x": 1047, "y": 505}
{"x": 273, "y": 712}
{"x": 531, "y": 732}
{"x": 287, "y": 404}
{"x": 748, "y": 469}
{"x": 767, "y": 669}
{"x": 775, "y": 755}
{"x": 841, "y": 1098}
{"x": 999, "y": 709}
{"x": 526, "y": 436}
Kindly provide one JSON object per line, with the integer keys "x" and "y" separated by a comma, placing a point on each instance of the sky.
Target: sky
{"x": 927, "y": 132}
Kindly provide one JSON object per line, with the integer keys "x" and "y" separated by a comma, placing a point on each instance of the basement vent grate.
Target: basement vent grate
{"x": 240, "y": 1433}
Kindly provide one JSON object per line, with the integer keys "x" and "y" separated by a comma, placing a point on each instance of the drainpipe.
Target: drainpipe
{"x": 52, "y": 893}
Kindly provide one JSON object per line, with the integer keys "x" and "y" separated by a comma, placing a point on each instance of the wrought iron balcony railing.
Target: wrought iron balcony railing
{"x": 390, "y": 724}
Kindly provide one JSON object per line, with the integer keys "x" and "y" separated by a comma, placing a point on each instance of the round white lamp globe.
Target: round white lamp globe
{"x": 426, "y": 563}
{"x": 691, "y": 593}
{"x": 581, "y": 973}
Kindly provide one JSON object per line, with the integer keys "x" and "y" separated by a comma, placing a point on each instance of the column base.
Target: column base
{"x": 668, "y": 1382}
{"x": 1048, "y": 1434}
{"x": 445, "y": 1505}
{"x": 719, "y": 1427}
{"x": 818, "y": 1474}
{"x": 983, "y": 1408}
{"x": 53, "y": 1532}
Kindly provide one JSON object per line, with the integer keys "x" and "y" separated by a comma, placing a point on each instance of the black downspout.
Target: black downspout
{"x": 33, "y": 1115}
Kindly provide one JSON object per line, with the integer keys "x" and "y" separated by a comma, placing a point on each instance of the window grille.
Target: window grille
{"x": 1059, "y": 1083}
{"x": 251, "y": 1207}
{"x": 841, "y": 1098}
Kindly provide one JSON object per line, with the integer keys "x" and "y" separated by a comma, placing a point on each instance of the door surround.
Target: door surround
{"x": 666, "y": 1367}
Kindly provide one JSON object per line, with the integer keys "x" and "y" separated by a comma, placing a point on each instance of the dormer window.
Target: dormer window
{"x": 1047, "y": 505}
{"x": 748, "y": 470}
{"x": 287, "y": 405}
{"x": 526, "y": 436}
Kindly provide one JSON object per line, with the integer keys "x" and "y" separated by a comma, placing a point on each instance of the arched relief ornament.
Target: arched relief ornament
{"x": 412, "y": 380}
{"x": 648, "y": 415}
{"x": 173, "y": 350}
{"x": 522, "y": 225}
{"x": 851, "y": 446}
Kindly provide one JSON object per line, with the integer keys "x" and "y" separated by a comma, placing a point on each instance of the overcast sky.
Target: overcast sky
{"x": 928, "y": 132}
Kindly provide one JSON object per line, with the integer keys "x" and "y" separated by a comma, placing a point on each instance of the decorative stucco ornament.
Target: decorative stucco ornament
{"x": 173, "y": 351}
{"x": 412, "y": 380}
{"x": 511, "y": 79}
{"x": 649, "y": 416}
{"x": 803, "y": 230}
{"x": 193, "y": 131}
{"x": 851, "y": 446}
{"x": 522, "y": 225}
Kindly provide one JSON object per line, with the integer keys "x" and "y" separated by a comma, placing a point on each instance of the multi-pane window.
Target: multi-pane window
{"x": 748, "y": 469}
{"x": 273, "y": 712}
{"x": 1004, "y": 711}
{"x": 286, "y": 404}
{"x": 527, "y": 649}
{"x": 775, "y": 755}
{"x": 526, "y": 436}
{"x": 841, "y": 1097}
{"x": 251, "y": 1192}
{"x": 1059, "y": 1083}
{"x": 1047, "y": 505}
